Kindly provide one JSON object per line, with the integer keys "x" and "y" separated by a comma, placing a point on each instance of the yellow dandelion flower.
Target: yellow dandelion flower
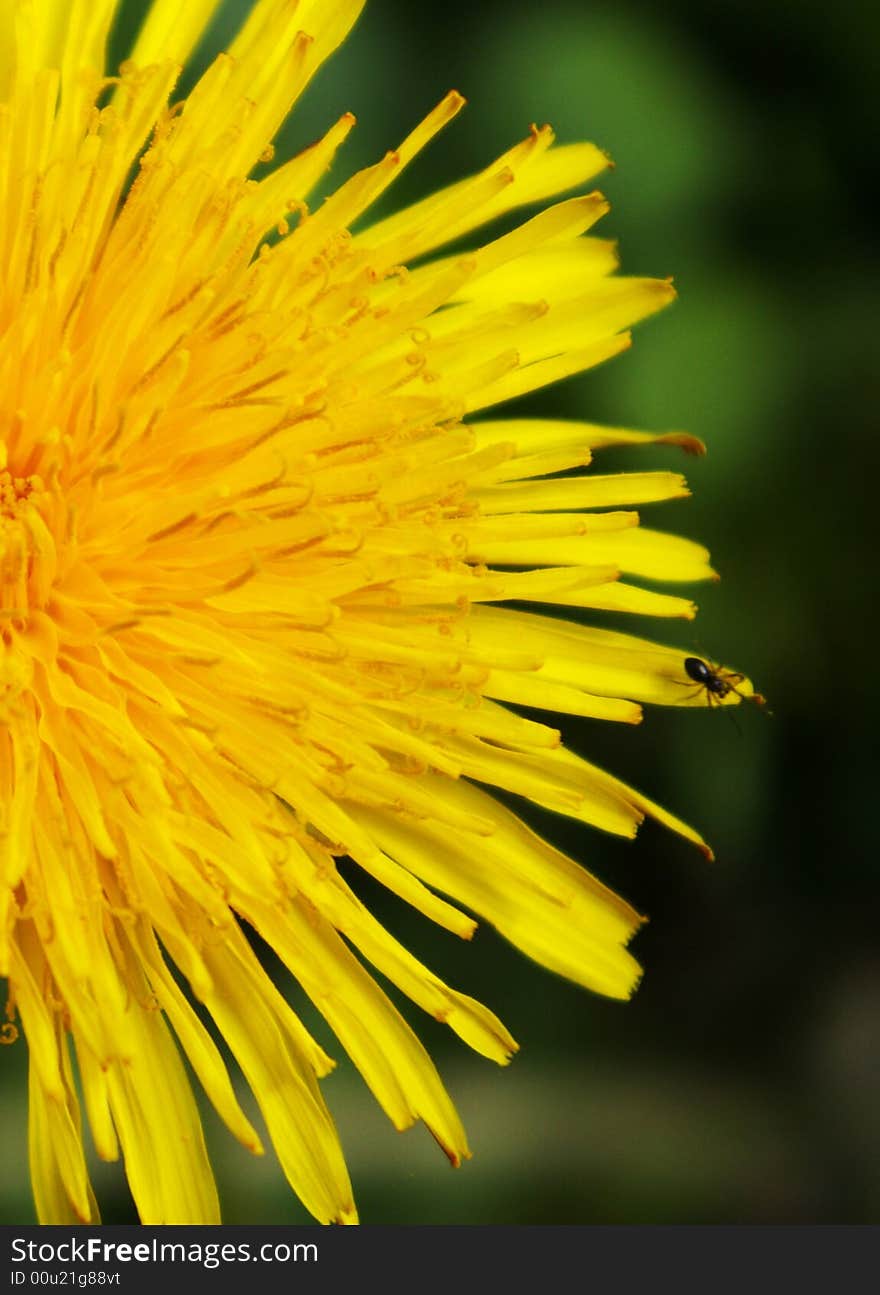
{"x": 256, "y": 541}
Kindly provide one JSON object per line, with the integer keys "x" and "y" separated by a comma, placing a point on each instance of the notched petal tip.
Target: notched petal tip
{"x": 448, "y": 108}
{"x": 455, "y": 1155}
{"x": 683, "y": 441}
{"x": 595, "y": 201}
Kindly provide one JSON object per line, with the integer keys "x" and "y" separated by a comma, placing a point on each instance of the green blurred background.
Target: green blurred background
{"x": 740, "y": 1083}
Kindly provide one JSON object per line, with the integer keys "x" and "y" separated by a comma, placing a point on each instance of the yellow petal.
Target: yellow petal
{"x": 171, "y": 31}
{"x": 383, "y": 1047}
{"x": 62, "y": 1191}
{"x": 540, "y": 900}
{"x": 285, "y": 1087}
{"x": 169, "y": 1176}
{"x": 591, "y": 491}
{"x": 528, "y": 173}
{"x": 637, "y": 551}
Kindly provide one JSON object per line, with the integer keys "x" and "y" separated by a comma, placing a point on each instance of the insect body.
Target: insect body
{"x": 719, "y": 683}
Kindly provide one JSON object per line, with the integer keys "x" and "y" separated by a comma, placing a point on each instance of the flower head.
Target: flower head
{"x": 258, "y": 539}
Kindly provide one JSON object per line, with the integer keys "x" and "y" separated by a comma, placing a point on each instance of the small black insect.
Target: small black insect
{"x": 717, "y": 681}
